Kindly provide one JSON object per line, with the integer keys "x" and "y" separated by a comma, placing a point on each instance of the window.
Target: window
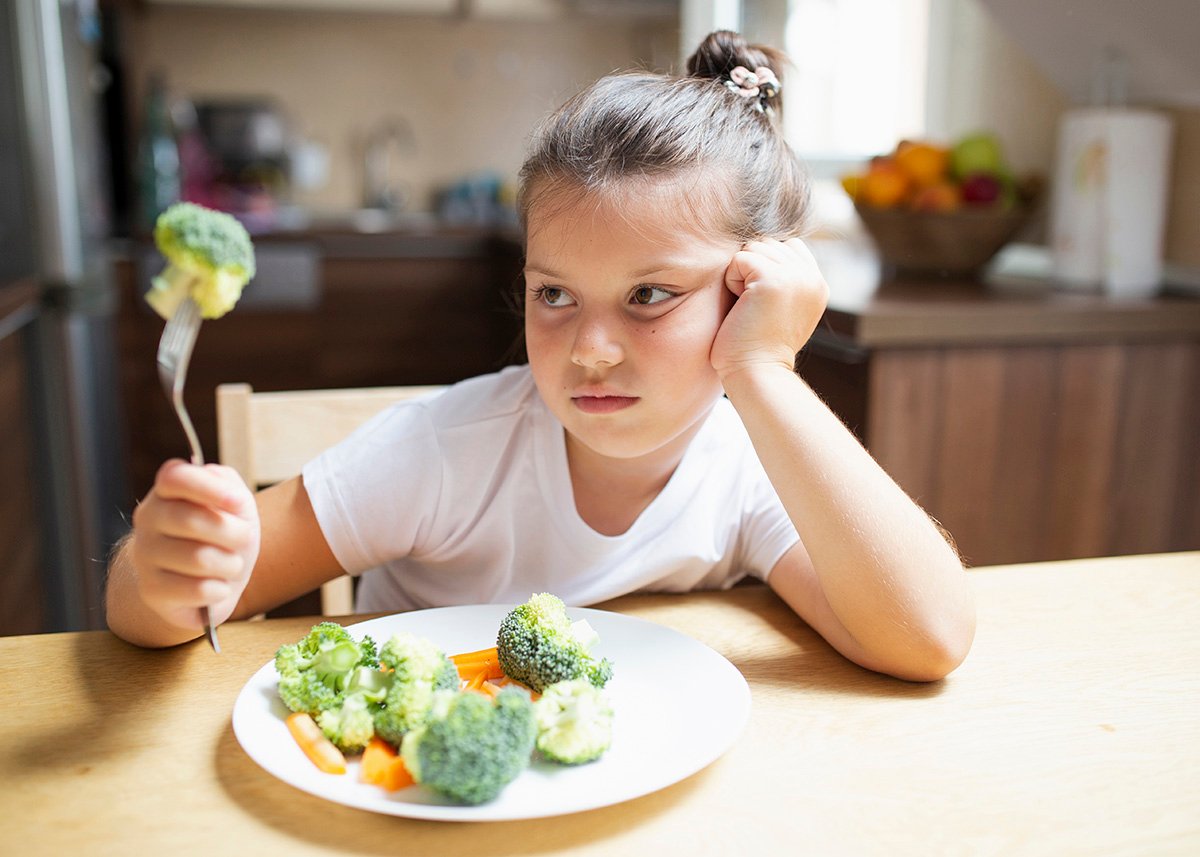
{"x": 858, "y": 86}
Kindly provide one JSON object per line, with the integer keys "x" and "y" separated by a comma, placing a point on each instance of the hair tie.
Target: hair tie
{"x": 761, "y": 84}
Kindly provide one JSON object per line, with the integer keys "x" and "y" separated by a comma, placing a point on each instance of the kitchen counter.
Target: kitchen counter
{"x": 382, "y": 239}
{"x": 867, "y": 310}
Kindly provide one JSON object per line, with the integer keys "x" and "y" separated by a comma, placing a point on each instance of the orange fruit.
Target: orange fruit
{"x": 924, "y": 163}
{"x": 885, "y": 185}
{"x": 852, "y": 185}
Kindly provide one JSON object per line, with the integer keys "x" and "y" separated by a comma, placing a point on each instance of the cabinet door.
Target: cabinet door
{"x": 412, "y": 321}
{"x": 1045, "y": 452}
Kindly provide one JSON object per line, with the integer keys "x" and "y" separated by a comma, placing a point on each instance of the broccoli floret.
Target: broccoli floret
{"x": 314, "y": 672}
{"x": 538, "y": 646}
{"x": 574, "y": 722}
{"x": 471, "y": 747}
{"x": 418, "y": 669}
{"x": 209, "y": 258}
{"x": 351, "y": 725}
{"x": 371, "y": 684}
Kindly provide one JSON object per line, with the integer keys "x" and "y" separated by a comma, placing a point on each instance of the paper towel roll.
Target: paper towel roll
{"x": 1110, "y": 199}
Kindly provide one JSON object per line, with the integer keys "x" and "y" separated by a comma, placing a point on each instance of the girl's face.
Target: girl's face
{"x": 623, "y": 300}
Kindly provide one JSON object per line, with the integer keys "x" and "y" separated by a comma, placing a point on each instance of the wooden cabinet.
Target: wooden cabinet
{"x": 1032, "y": 426}
{"x": 384, "y": 310}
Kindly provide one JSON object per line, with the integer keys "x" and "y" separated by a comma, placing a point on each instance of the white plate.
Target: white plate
{"x": 662, "y": 732}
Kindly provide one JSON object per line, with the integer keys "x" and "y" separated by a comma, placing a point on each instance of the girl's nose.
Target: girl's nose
{"x": 596, "y": 344}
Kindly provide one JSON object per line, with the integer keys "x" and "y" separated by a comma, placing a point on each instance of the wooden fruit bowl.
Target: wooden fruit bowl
{"x": 954, "y": 243}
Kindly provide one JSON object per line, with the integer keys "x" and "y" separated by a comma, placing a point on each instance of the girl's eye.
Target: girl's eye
{"x": 552, "y": 296}
{"x": 650, "y": 294}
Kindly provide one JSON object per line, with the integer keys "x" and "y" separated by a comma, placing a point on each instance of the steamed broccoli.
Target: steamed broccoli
{"x": 471, "y": 747}
{"x": 538, "y": 645}
{"x": 351, "y": 725}
{"x": 209, "y": 258}
{"x": 314, "y": 672}
{"x": 574, "y": 722}
{"x": 418, "y": 669}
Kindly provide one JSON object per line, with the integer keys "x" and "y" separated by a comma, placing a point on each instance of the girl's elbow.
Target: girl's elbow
{"x": 942, "y": 652}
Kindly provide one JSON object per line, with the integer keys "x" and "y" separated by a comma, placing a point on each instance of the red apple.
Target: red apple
{"x": 981, "y": 189}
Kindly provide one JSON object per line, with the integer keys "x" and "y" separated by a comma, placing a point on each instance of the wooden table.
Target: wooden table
{"x": 1072, "y": 728}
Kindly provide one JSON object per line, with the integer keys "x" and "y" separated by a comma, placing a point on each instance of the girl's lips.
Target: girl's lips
{"x": 603, "y": 404}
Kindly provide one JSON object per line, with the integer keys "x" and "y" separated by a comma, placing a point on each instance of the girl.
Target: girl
{"x": 663, "y": 268}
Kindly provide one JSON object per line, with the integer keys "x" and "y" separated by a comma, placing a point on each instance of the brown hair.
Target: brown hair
{"x": 742, "y": 178}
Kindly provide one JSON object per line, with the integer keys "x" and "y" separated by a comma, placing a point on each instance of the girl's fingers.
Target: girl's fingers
{"x": 198, "y": 559}
{"x": 173, "y": 592}
{"x": 187, "y": 557}
{"x": 185, "y": 520}
{"x": 210, "y": 485}
{"x": 776, "y": 251}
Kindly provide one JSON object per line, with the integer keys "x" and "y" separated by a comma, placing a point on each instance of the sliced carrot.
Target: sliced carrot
{"x": 396, "y": 775}
{"x": 375, "y": 760}
{"x": 383, "y": 766}
{"x": 476, "y": 681}
{"x": 316, "y": 746}
{"x": 480, "y": 655}
{"x": 504, "y": 681}
{"x": 490, "y": 668}
{"x": 490, "y": 688}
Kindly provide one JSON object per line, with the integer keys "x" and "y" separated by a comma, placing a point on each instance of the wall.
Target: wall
{"x": 472, "y": 90}
{"x": 337, "y": 74}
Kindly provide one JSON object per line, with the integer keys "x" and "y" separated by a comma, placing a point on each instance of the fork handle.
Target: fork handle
{"x": 210, "y": 630}
{"x": 188, "y": 428}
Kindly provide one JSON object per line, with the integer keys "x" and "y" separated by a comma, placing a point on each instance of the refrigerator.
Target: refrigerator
{"x": 55, "y": 229}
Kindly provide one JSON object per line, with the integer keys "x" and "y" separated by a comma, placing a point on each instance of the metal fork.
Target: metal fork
{"x": 174, "y": 352}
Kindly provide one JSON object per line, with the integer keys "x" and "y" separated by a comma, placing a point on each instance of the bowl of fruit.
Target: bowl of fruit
{"x": 941, "y": 210}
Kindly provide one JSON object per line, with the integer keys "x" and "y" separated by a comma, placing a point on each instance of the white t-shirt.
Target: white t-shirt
{"x": 464, "y": 497}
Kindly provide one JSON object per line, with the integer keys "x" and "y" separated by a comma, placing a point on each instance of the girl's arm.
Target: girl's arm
{"x": 873, "y": 573}
{"x": 295, "y": 558}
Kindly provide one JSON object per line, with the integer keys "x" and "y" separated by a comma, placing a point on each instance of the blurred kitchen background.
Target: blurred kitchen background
{"x": 372, "y": 148}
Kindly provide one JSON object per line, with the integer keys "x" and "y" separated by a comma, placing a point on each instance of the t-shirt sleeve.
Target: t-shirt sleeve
{"x": 375, "y": 493}
{"x": 766, "y": 532}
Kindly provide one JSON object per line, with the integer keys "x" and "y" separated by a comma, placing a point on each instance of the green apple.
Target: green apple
{"x": 977, "y": 153}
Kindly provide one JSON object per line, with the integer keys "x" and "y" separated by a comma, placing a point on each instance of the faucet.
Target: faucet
{"x": 393, "y": 134}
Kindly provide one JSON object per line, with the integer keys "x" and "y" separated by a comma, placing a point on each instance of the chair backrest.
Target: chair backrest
{"x": 268, "y": 437}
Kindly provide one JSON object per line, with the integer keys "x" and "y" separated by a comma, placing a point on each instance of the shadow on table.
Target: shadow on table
{"x": 807, "y": 660}
{"x": 330, "y": 825}
{"x": 97, "y": 673}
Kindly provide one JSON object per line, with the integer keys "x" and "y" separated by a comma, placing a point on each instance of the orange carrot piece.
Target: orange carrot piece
{"x": 470, "y": 657}
{"x": 490, "y": 688}
{"x": 466, "y": 672}
{"x": 396, "y": 775}
{"x": 476, "y": 681}
{"x": 504, "y": 681}
{"x": 375, "y": 760}
{"x": 316, "y": 746}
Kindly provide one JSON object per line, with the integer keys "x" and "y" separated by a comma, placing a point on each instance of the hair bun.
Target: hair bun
{"x": 724, "y": 50}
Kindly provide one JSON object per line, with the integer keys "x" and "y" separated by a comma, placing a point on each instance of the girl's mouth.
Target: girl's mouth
{"x": 603, "y": 404}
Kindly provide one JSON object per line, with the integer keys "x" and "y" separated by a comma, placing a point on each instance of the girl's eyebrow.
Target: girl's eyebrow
{"x": 542, "y": 269}
{"x": 633, "y": 275}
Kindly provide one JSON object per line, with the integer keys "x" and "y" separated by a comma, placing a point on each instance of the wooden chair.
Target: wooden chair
{"x": 268, "y": 437}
